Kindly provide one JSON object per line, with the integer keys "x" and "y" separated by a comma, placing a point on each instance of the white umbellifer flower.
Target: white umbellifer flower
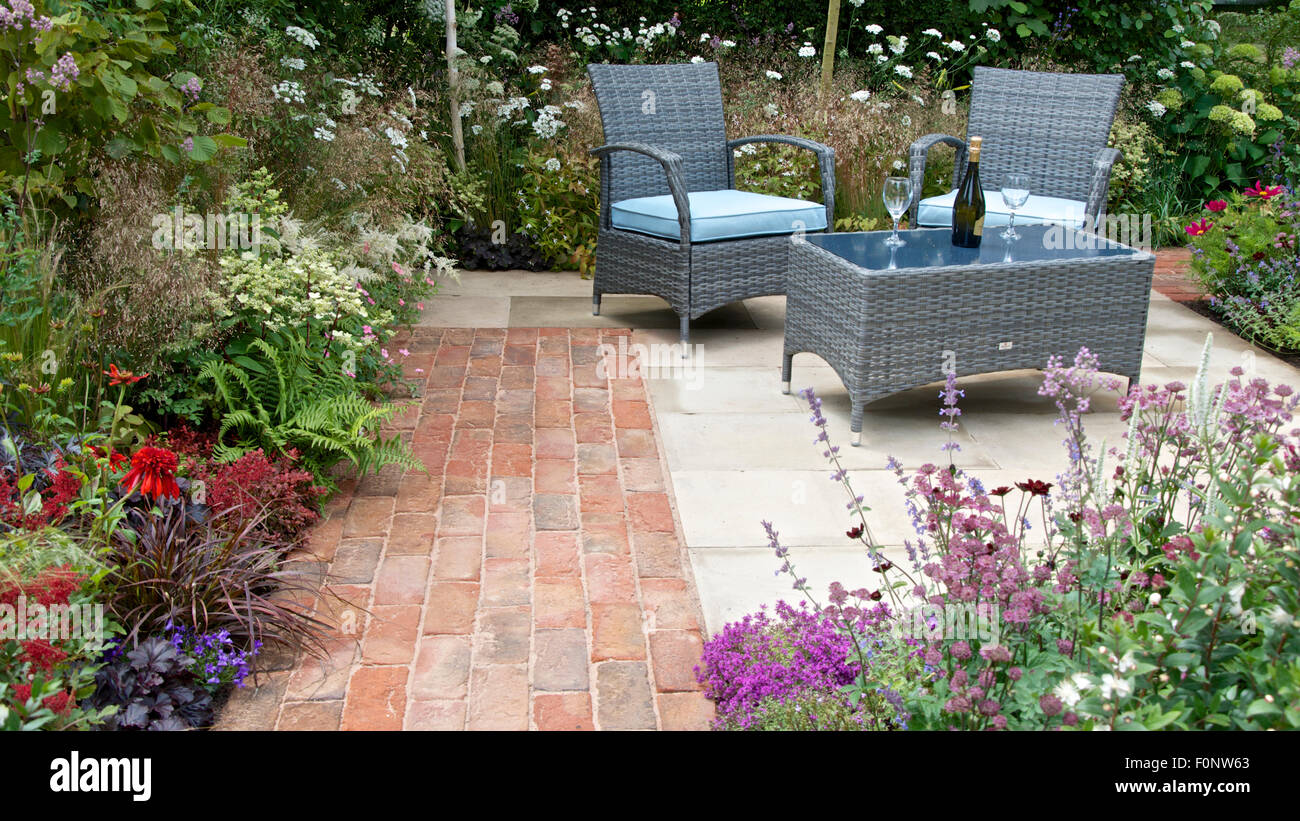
{"x": 552, "y": 164}
{"x": 1156, "y": 108}
{"x": 537, "y": 69}
{"x": 875, "y": 48}
{"x": 860, "y": 96}
{"x": 994, "y": 35}
{"x": 495, "y": 87}
{"x": 577, "y": 105}
{"x": 917, "y": 98}
{"x": 322, "y": 133}
{"x": 773, "y": 75}
{"x": 933, "y": 33}
{"x": 485, "y": 59}
{"x": 293, "y": 63}
{"x": 466, "y": 108}
{"x": 697, "y": 59}
{"x": 898, "y": 46}
{"x": 476, "y": 129}
{"x": 807, "y": 50}
{"x": 704, "y": 38}
{"x": 1178, "y": 28}
{"x": 1186, "y": 44}
{"x": 905, "y": 121}
{"x": 1113, "y": 685}
{"x": 874, "y": 29}
{"x": 899, "y": 165}
{"x": 1165, "y": 74}
{"x": 728, "y": 43}
{"x": 302, "y": 36}
{"x": 903, "y": 71}
{"x": 591, "y": 40}
{"x": 545, "y": 85}
{"x": 1134, "y": 58}
{"x": 771, "y": 110}
{"x": 934, "y": 55}
{"x": 957, "y": 45}
{"x": 880, "y": 58}
{"x": 547, "y": 125}
{"x": 857, "y": 4}
{"x": 1187, "y": 64}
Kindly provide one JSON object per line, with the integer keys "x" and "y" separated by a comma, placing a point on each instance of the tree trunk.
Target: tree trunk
{"x": 453, "y": 82}
{"x": 828, "y": 47}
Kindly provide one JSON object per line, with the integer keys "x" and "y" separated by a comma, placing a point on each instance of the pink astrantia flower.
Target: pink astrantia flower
{"x": 1198, "y": 228}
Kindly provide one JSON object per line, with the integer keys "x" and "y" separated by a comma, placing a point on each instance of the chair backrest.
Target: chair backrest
{"x": 1049, "y": 126}
{"x": 677, "y": 107}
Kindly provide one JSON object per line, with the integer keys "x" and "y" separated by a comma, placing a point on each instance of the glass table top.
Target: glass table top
{"x": 932, "y": 247}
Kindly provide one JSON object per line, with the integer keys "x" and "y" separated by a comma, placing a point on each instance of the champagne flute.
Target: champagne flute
{"x": 1015, "y": 192}
{"x": 897, "y": 194}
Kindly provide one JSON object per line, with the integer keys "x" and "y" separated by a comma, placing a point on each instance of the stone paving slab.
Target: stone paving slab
{"x": 534, "y": 579}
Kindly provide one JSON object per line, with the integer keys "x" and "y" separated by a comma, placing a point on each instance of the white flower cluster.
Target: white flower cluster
{"x": 771, "y": 110}
{"x": 903, "y": 71}
{"x": 860, "y": 96}
{"x": 288, "y": 91}
{"x": 773, "y": 75}
{"x": 537, "y": 69}
{"x": 293, "y": 63}
{"x": 807, "y": 50}
{"x": 697, "y": 59}
{"x": 1156, "y": 108}
{"x": 395, "y": 138}
{"x": 552, "y": 164}
{"x": 302, "y": 36}
{"x": 507, "y": 109}
{"x": 933, "y": 33}
{"x": 547, "y": 124}
{"x": 1165, "y": 74}
{"x": 874, "y": 29}
{"x": 956, "y": 45}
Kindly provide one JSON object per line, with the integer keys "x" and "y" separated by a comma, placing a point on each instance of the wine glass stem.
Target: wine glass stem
{"x": 1011, "y": 224}
{"x": 895, "y": 237}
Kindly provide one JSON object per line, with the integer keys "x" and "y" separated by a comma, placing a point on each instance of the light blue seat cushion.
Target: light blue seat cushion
{"x": 717, "y": 215}
{"x": 936, "y": 212}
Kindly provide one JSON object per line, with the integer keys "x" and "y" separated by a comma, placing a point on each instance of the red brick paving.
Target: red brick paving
{"x": 1171, "y": 277}
{"x": 534, "y": 579}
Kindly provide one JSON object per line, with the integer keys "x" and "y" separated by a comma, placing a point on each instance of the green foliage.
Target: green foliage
{"x": 1219, "y": 107}
{"x": 560, "y": 207}
{"x": 276, "y": 394}
{"x": 119, "y": 100}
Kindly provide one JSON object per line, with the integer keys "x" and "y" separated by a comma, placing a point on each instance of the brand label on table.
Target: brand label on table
{"x": 1006, "y": 346}
{"x": 979, "y": 227}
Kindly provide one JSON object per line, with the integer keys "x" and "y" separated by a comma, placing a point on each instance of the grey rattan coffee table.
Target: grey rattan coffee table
{"x": 889, "y": 321}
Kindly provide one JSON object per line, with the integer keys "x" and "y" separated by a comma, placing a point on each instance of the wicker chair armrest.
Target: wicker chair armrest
{"x": 825, "y": 161}
{"x": 672, "y": 163}
{"x": 1101, "y": 168}
{"x": 916, "y": 157}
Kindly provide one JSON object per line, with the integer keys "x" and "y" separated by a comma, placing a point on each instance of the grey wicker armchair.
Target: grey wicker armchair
{"x": 672, "y": 223}
{"x": 1052, "y": 127}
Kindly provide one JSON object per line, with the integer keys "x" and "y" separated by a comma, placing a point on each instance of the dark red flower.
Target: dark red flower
{"x": 117, "y": 377}
{"x": 153, "y": 473}
{"x": 875, "y": 595}
{"x": 1001, "y": 490}
{"x": 854, "y": 533}
{"x": 1035, "y": 487}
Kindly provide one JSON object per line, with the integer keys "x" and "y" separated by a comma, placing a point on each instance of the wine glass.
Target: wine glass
{"x": 897, "y": 194}
{"x": 1015, "y": 192}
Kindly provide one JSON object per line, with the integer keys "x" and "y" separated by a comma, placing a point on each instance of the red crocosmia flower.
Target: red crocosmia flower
{"x": 153, "y": 473}
{"x": 116, "y": 459}
{"x": 1035, "y": 487}
{"x": 117, "y": 377}
{"x": 1198, "y": 228}
{"x": 1264, "y": 192}
{"x": 1216, "y": 205}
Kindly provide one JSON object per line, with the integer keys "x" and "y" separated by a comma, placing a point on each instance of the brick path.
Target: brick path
{"x": 1171, "y": 277}
{"x": 535, "y": 580}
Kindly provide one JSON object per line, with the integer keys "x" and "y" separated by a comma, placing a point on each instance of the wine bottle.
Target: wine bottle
{"x": 968, "y": 207}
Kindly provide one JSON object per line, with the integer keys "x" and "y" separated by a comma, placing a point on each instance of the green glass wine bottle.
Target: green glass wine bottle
{"x": 968, "y": 207}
